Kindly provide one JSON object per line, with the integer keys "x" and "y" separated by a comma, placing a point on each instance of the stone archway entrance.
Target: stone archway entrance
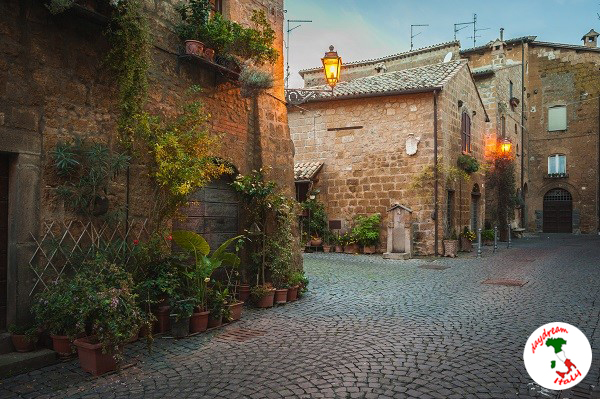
{"x": 213, "y": 212}
{"x": 558, "y": 211}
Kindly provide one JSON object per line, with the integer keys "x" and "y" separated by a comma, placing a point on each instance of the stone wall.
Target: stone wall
{"x": 411, "y": 59}
{"x": 559, "y": 76}
{"x": 54, "y": 86}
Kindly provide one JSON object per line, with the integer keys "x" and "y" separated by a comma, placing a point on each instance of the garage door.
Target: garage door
{"x": 558, "y": 211}
{"x": 213, "y": 212}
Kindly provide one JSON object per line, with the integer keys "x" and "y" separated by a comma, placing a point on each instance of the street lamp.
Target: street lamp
{"x": 332, "y": 64}
{"x": 505, "y": 147}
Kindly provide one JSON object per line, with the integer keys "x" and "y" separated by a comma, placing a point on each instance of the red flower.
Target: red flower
{"x": 136, "y": 242}
{"x": 170, "y": 237}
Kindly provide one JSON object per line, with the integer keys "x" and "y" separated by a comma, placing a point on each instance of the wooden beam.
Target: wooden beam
{"x": 334, "y": 129}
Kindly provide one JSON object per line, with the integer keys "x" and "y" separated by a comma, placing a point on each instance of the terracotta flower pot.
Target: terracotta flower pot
{"x": 450, "y": 248}
{"x": 92, "y": 359}
{"x": 215, "y": 322}
{"x": 267, "y": 300}
{"x": 21, "y": 343}
{"x": 465, "y": 244}
{"x": 351, "y": 248}
{"x": 339, "y": 249}
{"x": 180, "y": 328}
{"x": 199, "y": 322}
{"x": 369, "y": 249}
{"x": 281, "y": 295}
{"x": 236, "y": 310}
{"x": 62, "y": 345}
{"x": 209, "y": 54}
{"x": 194, "y": 47}
{"x": 326, "y": 248}
{"x": 244, "y": 292}
{"x": 163, "y": 320}
{"x": 316, "y": 242}
{"x": 292, "y": 294}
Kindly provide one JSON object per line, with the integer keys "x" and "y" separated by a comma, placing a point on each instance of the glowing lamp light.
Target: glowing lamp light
{"x": 332, "y": 64}
{"x": 505, "y": 147}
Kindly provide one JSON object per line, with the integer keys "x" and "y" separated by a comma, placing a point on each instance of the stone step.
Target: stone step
{"x": 6, "y": 345}
{"x": 16, "y": 363}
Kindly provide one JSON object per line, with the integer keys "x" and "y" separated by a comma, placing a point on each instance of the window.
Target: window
{"x": 557, "y": 118}
{"x": 465, "y": 128}
{"x": 557, "y": 164}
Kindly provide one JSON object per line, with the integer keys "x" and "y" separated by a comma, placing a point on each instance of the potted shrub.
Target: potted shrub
{"x": 262, "y": 295}
{"x": 302, "y": 283}
{"x": 23, "y": 338}
{"x": 253, "y": 81}
{"x": 366, "y": 232}
{"x": 451, "y": 245}
{"x": 296, "y": 278}
{"x": 243, "y": 292}
{"x": 180, "y": 313}
{"x": 487, "y": 236}
{"x": 466, "y": 240}
{"x": 468, "y": 163}
{"x": 108, "y": 309}
{"x": 194, "y": 16}
{"x": 56, "y": 311}
{"x": 349, "y": 243}
{"x": 217, "y": 304}
{"x": 336, "y": 243}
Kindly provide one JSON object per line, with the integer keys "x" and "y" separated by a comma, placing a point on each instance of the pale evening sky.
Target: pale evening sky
{"x": 362, "y": 29}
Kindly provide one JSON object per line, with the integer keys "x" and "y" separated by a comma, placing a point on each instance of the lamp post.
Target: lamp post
{"x": 332, "y": 65}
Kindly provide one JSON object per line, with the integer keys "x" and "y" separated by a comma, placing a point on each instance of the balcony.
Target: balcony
{"x": 556, "y": 176}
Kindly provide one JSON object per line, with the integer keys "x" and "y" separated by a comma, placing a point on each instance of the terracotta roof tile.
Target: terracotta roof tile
{"x": 306, "y": 170}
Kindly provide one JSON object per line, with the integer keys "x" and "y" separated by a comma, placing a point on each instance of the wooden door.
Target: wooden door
{"x": 558, "y": 211}
{"x": 4, "y": 164}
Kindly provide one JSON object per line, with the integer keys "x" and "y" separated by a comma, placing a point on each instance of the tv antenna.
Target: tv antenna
{"x": 412, "y": 36}
{"x": 475, "y": 30}
{"x": 460, "y": 26}
{"x": 287, "y": 45}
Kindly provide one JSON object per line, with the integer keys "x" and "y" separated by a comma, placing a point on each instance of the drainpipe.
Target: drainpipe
{"x": 598, "y": 171}
{"x": 523, "y": 131}
{"x": 435, "y": 169}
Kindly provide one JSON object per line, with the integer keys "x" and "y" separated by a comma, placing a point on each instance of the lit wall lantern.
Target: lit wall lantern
{"x": 332, "y": 64}
{"x": 505, "y": 147}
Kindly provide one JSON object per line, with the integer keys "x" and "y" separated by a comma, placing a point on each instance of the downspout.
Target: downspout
{"x": 598, "y": 172}
{"x": 524, "y": 209}
{"x": 435, "y": 169}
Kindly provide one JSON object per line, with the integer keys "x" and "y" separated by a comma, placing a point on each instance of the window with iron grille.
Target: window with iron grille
{"x": 466, "y": 132}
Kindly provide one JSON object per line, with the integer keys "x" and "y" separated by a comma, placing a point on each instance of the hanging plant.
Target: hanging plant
{"x": 253, "y": 81}
{"x": 468, "y": 163}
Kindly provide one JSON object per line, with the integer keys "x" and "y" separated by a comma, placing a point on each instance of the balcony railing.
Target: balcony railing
{"x": 557, "y": 175}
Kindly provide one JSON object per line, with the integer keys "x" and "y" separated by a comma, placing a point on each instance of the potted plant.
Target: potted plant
{"x": 316, "y": 241}
{"x": 56, "y": 311}
{"x": 468, "y": 163}
{"x": 296, "y": 278}
{"x": 466, "y": 240}
{"x": 23, "y": 338}
{"x": 336, "y": 243}
{"x": 366, "y": 232}
{"x": 451, "y": 245}
{"x": 181, "y": 311}
{"x": 253, "y": 81}
{"x": 194, "y": 16}
{"x": 217, "y": 304}
{"x": 349, "y": 243}
{"x": 243, "y": 292}
{"x": 487, "y": 236}
{"x": 262, "y": 295}
{"x": 108, "y": 309}
{"x": 302, "y": 283}
{"x": 231, "y": 269}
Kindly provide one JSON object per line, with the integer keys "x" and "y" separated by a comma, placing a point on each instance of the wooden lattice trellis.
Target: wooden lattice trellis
{"x": 62, "y": 245}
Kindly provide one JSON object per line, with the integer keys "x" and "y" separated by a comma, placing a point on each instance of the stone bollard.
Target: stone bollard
{"x": 479, "y": 243}
{"x": 495, "y": 238}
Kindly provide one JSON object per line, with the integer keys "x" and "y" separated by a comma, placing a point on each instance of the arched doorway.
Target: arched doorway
{"x": 558, "y": 211}
{"x": 213, "y": 212}
{"x": 475, "y": 195}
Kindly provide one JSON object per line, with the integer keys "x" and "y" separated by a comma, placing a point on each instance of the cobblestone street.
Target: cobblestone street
{"x": 370, "y": 328}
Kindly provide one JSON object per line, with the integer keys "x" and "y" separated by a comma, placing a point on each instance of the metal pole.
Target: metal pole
{"x": 479, "y": 242}
{"x": 508, "y": 246}
{"x": 495, "y": 238}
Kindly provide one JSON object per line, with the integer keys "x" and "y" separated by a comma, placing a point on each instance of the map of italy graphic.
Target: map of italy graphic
{"x": 557, "y": 344}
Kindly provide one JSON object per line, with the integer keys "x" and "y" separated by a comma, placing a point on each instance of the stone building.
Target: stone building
{"x": 376, "y": 141}
{"x": 54, "y": 86}
{"x": 559, "y": 150}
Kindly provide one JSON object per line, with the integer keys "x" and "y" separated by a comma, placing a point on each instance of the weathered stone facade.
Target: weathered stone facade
{"x": 54, "y": 85}
{"x": 360, "y": 69}
{"x": 362, "y": 143}
{"x": 555, "y": 75}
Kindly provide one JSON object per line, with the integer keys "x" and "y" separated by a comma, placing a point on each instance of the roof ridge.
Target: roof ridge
{"x": 388, "y": 57}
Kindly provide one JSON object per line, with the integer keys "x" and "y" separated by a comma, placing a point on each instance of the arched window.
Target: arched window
{"x": 465, "y": 128}
{"x": 557, "y": 164}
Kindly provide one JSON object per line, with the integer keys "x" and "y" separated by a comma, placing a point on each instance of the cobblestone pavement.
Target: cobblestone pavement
{"x": 371, "y": 328}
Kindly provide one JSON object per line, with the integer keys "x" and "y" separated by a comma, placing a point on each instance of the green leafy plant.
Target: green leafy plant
{"x": 347, "y": 238}
{"x": 366, "y": 229}
{"x": 501, "y": 189}
{"x": 253, "y": 81}
{"x": 194, "y": 16}
{"x": 487, "y": 235}
{"x": 316, "y": 224}
{"x": 29, "y": 331}
{"x": 260, "y": 291}
{"x": 468, "y": 163}
{"x": 468, "y": 234}
{"x": 87, "y": 171}
{"x": 280, "y": 246}
{"x": 218, "y": 299}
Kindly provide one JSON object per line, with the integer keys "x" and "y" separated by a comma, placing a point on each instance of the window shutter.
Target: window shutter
{"x": 557, "y": 118}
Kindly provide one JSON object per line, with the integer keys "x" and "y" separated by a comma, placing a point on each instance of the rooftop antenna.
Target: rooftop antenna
{"x": 287, "y": 45}
{"x": 475, "y": 30}
{"x": 460, "y": 26}
{"x": 412, "y": 36}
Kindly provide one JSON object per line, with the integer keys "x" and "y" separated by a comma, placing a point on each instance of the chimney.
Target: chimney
{"x": 591, "y": 39}
{"x": 501, "y": 34}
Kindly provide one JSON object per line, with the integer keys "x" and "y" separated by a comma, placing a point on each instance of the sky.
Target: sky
{"x": 363, "y": 29}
